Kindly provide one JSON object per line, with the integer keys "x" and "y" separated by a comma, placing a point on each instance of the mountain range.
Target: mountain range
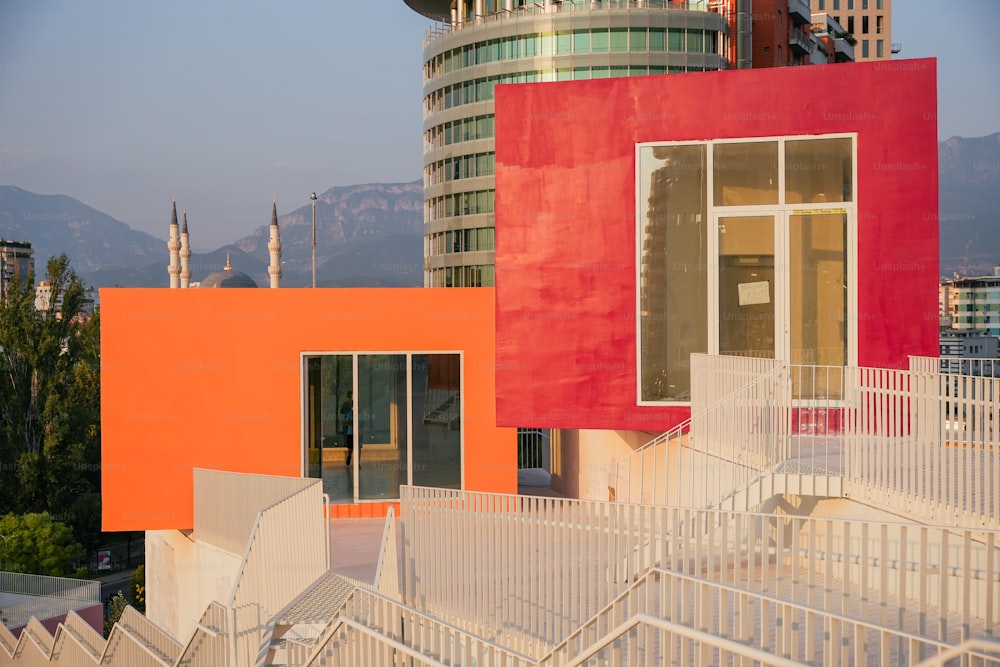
{"x": 371, "y": 235}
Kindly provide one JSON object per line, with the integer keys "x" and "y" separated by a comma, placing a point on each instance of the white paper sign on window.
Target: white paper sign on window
{"x": 755, "y": 293}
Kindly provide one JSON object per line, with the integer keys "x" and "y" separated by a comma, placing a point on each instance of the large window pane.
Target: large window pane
{"x": 619, "y": 39}
{"x": 746, "y": 286}
{"x": 674, "y": 268}
{"x": 437, "y": 423}
{"x": 818, "y": 301}
{"x": 328, "y": 384}
{"x": 675, "y": 39}
{"x": 381, "y": 424}
{"x": 818, "y": 170}
{"x": 746, "y": 173}
{"x": 656, "y": 39}
{"x": 599, "y": 40}
{"x": 564, "y": 42}
{"x": 637, "y": 40}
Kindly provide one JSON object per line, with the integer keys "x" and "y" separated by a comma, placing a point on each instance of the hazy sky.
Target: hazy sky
{"x": 229, "y": 104}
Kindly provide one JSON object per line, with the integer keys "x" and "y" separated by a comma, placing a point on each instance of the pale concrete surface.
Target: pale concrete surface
{"x": 354, "y": 547}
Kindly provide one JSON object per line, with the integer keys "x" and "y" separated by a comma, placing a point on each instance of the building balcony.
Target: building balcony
{"x": 799, "y": 12}
{"x": 843, "y": 50}
{"x": 799, "y": 44}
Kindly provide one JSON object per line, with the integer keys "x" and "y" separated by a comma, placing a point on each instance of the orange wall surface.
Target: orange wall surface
{"x": 213, "y": 379}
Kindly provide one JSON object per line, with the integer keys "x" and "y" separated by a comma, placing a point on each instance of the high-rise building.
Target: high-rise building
{"x": 17, "y": 261}
{"x": 869, "y": 21}
{"x": 477, "y": 44}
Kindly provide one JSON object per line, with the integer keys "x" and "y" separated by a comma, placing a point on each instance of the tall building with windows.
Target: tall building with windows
{"x": 973, "y": 303}
{"x": 869, "y": 21}
{"x": 477, "y": 44}
{"x": 17, "y": 262}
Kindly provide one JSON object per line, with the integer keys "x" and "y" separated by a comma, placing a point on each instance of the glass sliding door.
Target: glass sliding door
{"x": 373, "y": 422}
{"x": 437, "y": 429}
{"x": 380, "y": 459}
{"x": 818, "y": 300}
{"x": 328, "y": 385}
{"x": 746, "y": 278}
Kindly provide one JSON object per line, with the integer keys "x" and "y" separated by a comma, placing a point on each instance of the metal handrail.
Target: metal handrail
{"x": 442, "y": 28}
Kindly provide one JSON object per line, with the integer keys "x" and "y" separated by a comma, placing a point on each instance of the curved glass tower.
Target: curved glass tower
{"x": 477, "y": 44}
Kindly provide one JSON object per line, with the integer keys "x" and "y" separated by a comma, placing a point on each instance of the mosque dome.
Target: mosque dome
{"x": 228, "y": 277}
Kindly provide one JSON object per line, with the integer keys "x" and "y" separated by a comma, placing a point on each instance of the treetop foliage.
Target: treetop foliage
{"x": 50, "y": 403}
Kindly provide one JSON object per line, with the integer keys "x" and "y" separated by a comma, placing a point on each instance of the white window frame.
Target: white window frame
{"x": 355, "y": 354}
{"x": 782, "y": 211}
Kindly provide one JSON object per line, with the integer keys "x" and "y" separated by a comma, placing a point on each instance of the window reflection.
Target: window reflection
{"x": 746, "y": 173}
{"x": 674, "y": 269}
{"x": 437, "y": 428}
{"x": 818, "y": 300}
{"x": 400, "y": 423}
{"x": 818, "y": 170}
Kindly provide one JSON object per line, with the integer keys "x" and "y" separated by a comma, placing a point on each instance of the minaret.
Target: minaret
{"x": 174, "y": 245}
{"x": 274, "y": 248}
{"x": 185, "y": 254}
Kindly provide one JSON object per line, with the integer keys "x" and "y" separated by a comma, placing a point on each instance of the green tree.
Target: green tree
{"x": 49, "y": 397}
{"x": 113, "y": 612}
{"x": 36, "y": 544}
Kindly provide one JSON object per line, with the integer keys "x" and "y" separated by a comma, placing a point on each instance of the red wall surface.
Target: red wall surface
{"x": 565, "y": 219}
{"x": 212, "y": 379}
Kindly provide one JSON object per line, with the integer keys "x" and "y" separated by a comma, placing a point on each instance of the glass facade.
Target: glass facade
{"x": 761, "y": 268}
{"x": 376, "y": 421}
{"x": 464, "y": 62}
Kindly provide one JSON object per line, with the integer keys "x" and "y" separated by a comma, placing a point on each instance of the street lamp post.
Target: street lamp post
{"x": 313, "y": 198}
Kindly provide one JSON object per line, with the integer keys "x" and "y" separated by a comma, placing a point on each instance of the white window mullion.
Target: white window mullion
{"x": 782, "y": 268}
{"x": 712, "y": 251}
{"x": 356, "y": 426}
{"x": 782, "y": 288}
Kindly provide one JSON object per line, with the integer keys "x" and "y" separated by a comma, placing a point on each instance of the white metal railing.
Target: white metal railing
{"x": 527, "y": 572}
{"x": 956, "y": 366}
{"x": 979, "y": 651}
{"x": 387, "y": 569}
{"x": 7, "y": 642}
{"x": 41, "y": 585}
{"x": 542, "y": 7}
{"x": 209, "y": 643}
{"x": 33, "y": 646}
{"x": 916, "y": 442}
{"x": 734, "y": 617}
{"x": 50, "y": 596}
{"x": 138, "y": 642}
{"x": 288, "y": 551}
{"x": 725, "y": 445}
{"x": 226, "y": 504}
{"x": 373, "y": 629}
{"x": 76, "y": 643}
{"x": 924, "y": 443}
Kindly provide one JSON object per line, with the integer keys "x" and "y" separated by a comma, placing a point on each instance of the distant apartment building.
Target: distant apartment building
{"x": 782, "y": 33}
{"x": 972, "y": 303}
{"x": 832, "y": 44}
{"x": 17, "y": 262}
{"x": 477, "y": 44}
{"x": 869, "y": 21}
{"x": 786, "y": 33}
